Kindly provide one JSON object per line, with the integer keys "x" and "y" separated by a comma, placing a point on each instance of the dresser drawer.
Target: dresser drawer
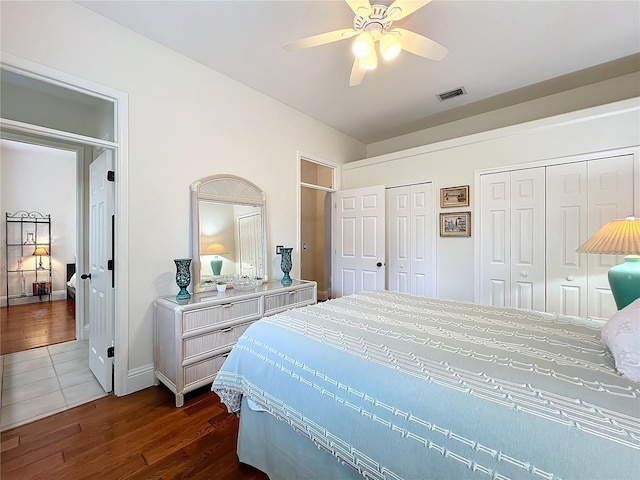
{"x": 233, "y": 311}
{"x": 286, "y": 300}
{"x": 209, "y": 342}
{"x": 204, "y": 371}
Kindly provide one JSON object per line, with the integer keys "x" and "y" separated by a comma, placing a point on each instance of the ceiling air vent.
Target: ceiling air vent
{"x": 451, "y": 93}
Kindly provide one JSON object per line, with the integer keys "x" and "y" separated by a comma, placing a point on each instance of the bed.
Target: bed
{"x": 389, "y": 385}
{"x": 71, "y": 281}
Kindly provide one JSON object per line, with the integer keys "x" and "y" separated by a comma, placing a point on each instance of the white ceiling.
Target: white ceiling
{"x": 494, "y": 47}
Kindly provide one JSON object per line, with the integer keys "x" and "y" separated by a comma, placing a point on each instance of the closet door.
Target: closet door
{"x": 610, "y": 187}
{"x": 410, "y": 239}
{"x": 566, "y": 229}
{"x": 495, "y": 232}
{"x": 581, "y": 198}
{"x": 527, "y": 239}
{"x": 398, "y": 234}
{"x": 512, "y": 228}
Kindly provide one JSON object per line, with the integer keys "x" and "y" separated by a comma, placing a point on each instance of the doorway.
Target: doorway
{"x": 38, "y": 179}
{"x": 317, "y": 184}
{"x": 100, "y": 123}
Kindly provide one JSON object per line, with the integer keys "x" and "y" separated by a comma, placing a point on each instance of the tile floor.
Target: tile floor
{"x": 42, "y": 381}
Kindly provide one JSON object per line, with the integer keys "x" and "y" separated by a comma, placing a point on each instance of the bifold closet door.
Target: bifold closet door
{"x": 410, "y": 235}
{"x": 512, "y": 229}
{"x": 581, "y": 198}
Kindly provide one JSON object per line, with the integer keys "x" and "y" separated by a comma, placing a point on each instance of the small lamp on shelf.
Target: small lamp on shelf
{"x": 619, "y": 237}
{"x": 39, "y": 251}
{"x": 216, "y": 249}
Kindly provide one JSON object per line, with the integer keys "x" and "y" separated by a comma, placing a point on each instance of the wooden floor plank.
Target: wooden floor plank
{"x": 33, "y": 325}
{"x": 138, "y": 436}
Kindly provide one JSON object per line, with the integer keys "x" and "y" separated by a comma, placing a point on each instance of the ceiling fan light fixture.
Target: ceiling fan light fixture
{"x": 363, "y": 45}
{"x": 389, "y": 46}
{"x": 370, "y": 62}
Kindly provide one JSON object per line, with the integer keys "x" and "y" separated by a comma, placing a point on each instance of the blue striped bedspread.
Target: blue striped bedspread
{"x": 402, "y": 386}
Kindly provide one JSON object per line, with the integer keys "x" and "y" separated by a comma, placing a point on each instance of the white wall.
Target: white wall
{"x": 185, "y": 122}
{"x": 454, "y": 162}
{"x": 41, "y": 179}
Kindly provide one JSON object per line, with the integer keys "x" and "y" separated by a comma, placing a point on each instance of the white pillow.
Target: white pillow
{"x": 621, "y": 335}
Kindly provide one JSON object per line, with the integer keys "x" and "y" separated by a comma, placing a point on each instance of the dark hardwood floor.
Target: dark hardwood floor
{"x": 138, "y": 436}
{"x": 36, "y": 325}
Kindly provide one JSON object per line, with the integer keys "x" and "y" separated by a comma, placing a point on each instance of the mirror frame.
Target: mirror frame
{"x": 229, "y": 189}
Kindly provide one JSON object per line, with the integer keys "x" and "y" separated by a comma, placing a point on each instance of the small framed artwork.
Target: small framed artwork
{"x": 455, "y": 224}
{"x": 454, "y": 196}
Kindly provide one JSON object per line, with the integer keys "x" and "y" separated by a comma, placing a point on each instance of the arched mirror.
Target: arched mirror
{"x": 229, "y": 230}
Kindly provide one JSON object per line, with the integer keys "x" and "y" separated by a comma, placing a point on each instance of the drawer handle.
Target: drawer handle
{"x": 227, "y": 305}
{"x": 227, "y": 330}
{"x": 292, "y": 293}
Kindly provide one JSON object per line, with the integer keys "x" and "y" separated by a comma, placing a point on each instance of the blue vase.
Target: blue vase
{"x": 183, "y": 277}
{"x": 285, "y": 264}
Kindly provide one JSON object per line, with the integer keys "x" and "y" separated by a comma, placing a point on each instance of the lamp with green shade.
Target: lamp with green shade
{"x": 38, "y": 252}
{"x": 216, "y": 249}
{"x": 619, "y": 237}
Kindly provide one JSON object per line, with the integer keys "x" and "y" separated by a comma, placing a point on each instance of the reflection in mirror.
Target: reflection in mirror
{"x": 228, "y": 230}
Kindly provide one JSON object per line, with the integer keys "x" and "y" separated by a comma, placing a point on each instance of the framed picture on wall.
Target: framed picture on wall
{"x": 455, "y": 224}
{"x": 454, "y": 196}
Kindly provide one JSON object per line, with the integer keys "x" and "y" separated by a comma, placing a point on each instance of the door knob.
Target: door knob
{"x": 379, "y": 264}
{"x": 570, "y": 278}
{"x": 84, "y": 276}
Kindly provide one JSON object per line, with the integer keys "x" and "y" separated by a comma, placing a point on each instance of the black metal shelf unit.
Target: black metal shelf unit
{"x": 28, "y": 273}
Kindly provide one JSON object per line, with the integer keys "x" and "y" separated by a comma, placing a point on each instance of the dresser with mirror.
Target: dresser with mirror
{"x": 192, "y": 337}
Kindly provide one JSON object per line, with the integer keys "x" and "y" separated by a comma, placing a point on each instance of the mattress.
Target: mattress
{"x": 400, "y": 386}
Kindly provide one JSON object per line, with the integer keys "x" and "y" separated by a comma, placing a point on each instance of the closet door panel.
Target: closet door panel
{"x": 495, "y": 228}
{"x": 610, "y": 187}
{"x": 398, "y": 235}
{"x": 527, "y": 230}
{"x": 410, "y": 232}
{"x": 422, "y": 235}
{"x": 566, "y": 230}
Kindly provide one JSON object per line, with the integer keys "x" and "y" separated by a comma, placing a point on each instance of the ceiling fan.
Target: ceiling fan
{"x": 371, "y": 25}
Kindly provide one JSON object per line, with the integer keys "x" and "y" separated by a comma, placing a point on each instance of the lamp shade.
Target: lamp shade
{"x": 389, "y": 46}
{"x": 362, "y": 45}
{"x": 618, "y": 237}
{"x": 216, "y": 249}
{"x": 40, "y": 251}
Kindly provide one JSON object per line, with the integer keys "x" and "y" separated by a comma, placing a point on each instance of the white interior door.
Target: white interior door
{"x": 527, "y": 249}
{"x": 495, "y": 232}
{"x": 248, "y": 233}
{"x": 101, "y": 322}
{"x": 410, "y": 239}
{"x": 610, "y": 187}
{"x": 567, "y": 220}
{"x": 360, "y": 240}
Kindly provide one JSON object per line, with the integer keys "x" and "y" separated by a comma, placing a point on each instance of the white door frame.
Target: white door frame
{"x": 120, "y": 147}
{"x": 336, "y": 181}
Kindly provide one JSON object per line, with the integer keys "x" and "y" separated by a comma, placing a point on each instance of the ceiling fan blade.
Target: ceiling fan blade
{"x": 357, "y": 74}
{"x": 419, "y": 45}
{"x": 321, "y": 39}
{"x": 401, "y": 8}
{"x": 356, "y": 5}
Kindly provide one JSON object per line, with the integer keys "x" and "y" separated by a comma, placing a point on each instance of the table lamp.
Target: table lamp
{"x": 619, "y": 237}
{"x": 216, "y": 249}
{"x": 39, "y": 251}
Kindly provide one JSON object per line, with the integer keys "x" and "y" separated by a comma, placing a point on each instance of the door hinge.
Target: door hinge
{"x": 110, "y": 352}
{"x": 109, "y": 264}
{"x": 111, "y": 176}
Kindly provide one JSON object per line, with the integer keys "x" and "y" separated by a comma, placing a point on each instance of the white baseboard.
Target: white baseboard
{"x": 139, "y": 378}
